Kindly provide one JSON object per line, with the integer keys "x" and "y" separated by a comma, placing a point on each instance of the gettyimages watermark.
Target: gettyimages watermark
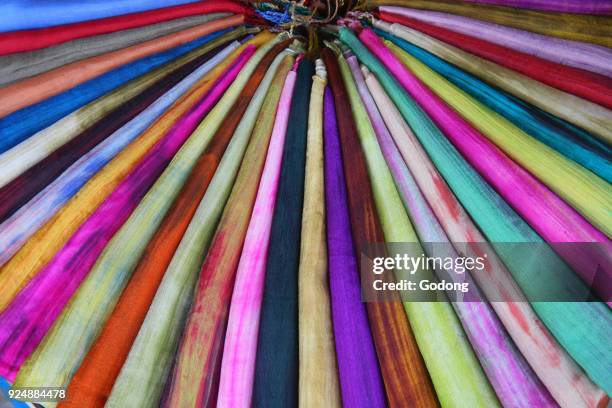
{"x": 496, "y": 272}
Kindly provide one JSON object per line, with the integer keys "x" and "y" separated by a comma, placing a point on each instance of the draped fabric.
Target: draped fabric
{"x": 236, "y": 382}
{"x": 50, "y": 83}
{"x": 100, "y": 226}
{"x": 126, "y": 319}
{"x": 317, "y": 354}
{"x": 463, "y": 233}
{"x": 360, "y": 378}
{"x": 26, "y": 185}
{"x": 578, "y": 27}
{"x": 24, "y": 123}
{"x": 151, "y": 211}
{"x": 214, "y": 288}
{"x": 396, "y": 227}
{"x": 448, "y": 121}
{"x": 582, "y": 113}
{"x": 404, "y": 377}
{"x": 50, "y": 15}
{"x": 24, "y": 65}
{"x": 276, "y": 371}
{"x": 384, "y": 203}
{"x": 589, "y": 86}
{"x": 473, "y": 316}
{"x": 58, "y": 229}
{"x": 572, "y": 143}
{"x": 586, "y": 7}
{"x": 576, "y": 54}
{"x": 46, "y": 36}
